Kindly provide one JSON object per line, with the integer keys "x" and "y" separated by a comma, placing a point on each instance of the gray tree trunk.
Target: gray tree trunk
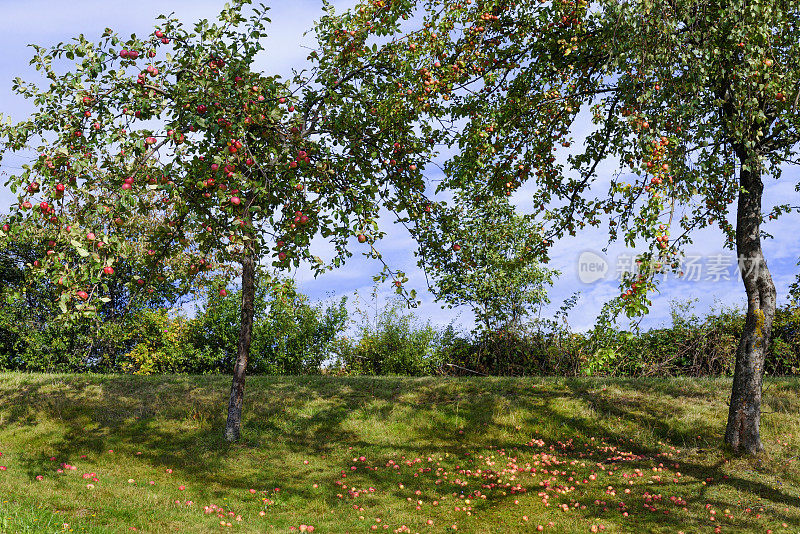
{"x": 234, "y": 423}
{"x": 744, "y": 415}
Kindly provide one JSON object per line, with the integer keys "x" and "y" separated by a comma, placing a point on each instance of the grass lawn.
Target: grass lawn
{"x": 89, "y": 453}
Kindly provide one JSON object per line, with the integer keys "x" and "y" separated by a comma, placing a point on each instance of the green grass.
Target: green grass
{"x": 322, "y": 451}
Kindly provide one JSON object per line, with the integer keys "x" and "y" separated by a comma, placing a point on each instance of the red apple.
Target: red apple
{"x": 83, "y": 295}
{"x": 223, "y": 292}
{"x": 108, "y": 269}
{"x": 236, "y": 201}
{"x": 90, "y": 236}
{"x": 150, "y": 140}
{"x": 362, "y": 238}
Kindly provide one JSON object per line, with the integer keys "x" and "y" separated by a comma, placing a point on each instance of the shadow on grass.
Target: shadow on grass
{"x": 177, "y": 422}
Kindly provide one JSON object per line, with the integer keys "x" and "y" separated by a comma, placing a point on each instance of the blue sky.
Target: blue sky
{"x": 46, "y": 22}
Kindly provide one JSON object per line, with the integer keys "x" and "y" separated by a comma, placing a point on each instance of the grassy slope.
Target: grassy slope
{"x": 460, "y": 437}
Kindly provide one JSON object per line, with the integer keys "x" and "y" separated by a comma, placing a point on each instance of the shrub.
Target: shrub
{"x": 394, "y": 343}
{"x": 783, "y": 357}
{"x": 290, "y": 336}
{"x": 163, "y": 347}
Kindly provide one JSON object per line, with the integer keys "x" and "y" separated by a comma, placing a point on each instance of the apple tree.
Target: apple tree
{"x": 174, "y": 153}
{"x": 694, "y": 102}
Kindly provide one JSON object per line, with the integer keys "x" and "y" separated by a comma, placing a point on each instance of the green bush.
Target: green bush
{"x": 783, "y": 357}
{"x": 700, "y": 346}
{"x": 34, "y": 338}
{"x": 692, "y": 346}
{"x": 163, "y": 346}
{"x": 290, "y": 336}
{"x": 537, "y": 349}
{"x": 393, "y": 343}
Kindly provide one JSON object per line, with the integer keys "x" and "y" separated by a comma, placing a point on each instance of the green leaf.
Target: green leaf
{"x": 79, "y": 249}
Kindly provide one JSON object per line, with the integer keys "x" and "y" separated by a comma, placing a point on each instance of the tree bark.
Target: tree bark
{"x": 234, "y": 423}
{"x": 744, "y": 415}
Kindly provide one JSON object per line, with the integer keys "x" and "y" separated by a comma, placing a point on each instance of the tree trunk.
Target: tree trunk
{"x": 234, "y": 423}
{"x": 744, "y": 415}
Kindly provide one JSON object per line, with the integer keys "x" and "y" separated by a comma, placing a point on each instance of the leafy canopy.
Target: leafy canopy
{"x": 679, "y": 95}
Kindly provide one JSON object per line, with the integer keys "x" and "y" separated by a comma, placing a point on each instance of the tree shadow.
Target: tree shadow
{"x": 321, "y": 415}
